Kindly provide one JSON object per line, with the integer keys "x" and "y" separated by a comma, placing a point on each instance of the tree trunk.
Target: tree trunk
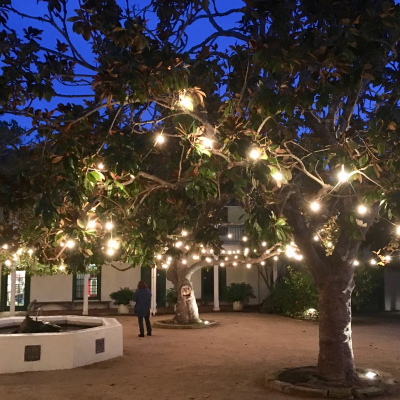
{"x": 336, "y": 360}
{"x": 187, "y": 311}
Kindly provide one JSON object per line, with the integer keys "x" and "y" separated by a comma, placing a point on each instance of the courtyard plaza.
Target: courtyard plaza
{"x": 225, "y": 363}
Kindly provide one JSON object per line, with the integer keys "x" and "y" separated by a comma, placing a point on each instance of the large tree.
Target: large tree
{"x": 297, "y": 118}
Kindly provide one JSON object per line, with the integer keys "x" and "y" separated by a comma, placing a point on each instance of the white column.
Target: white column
{"x": 13, "y": 289}
{"x": 153, "y": 308}
{"x": 85, "y": 295}
{"x": 275, "y": 271}
{"x": 216, "y": 287}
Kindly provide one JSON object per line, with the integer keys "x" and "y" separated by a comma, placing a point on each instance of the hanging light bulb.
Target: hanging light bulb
{"x": 187, "y": 247}
{"x": 236, "y": 257}
{"x": 262, "y": 263}
{"x": 30, "y": 251}
{"x": 100, "y": 166}
{"x": 315, "y": 206}
{"x": 329, "y": 244}
{"x": 264, "y": 244}
{"x": 398, "y": 230}
{"x": 61, "y": 267}
{"x": 255, "y": 154}
{"x": 244, "y": 238}
{"x": 229, "y": 252}
{"x": 372, "y": 262}
{"x": 164, "y": 266}
{"x": 234, "y": 264}
{"x": 343, "y": 175}
{"x": 184, "y": 261}
{"x": 186, "y": 102}
{"x": 208, "y": 259}
{"x": 70, "y": 244}
{"x": 159, "y": 256}
{"x": 109, "y": 226}
{"x": 226, "y": 258}
{"x": 178, "y": 244}
{"x": 221, "y": 264}
{"x": 248, "y": 265}
{"x": 112, "y": 244}
{"x": 91, "y": 224}
{"x": 206, "y": 142}
{"x": 356, "y": 262}
{"x": 362, "y": 209}
{"x": 229, "y": 235}
{"x": 278, "y": 176}
{"x": 110, "y": 252}
{"x": 388, "y": 258}
{"x": 316, "y": 238}
{"x": 223, "y": 251}
{"x": 184, "y": 233}
{"x": 8, "y": 263}
{"x": 160, "y": 139}
{"x": 5, "y": 246}
{"x": 275, "y": 258}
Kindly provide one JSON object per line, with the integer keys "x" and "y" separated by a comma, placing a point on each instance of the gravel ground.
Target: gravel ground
{"x": 227, "y": 362}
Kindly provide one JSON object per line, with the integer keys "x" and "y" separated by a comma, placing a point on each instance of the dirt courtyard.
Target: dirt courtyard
{"x": 227, "y": 362}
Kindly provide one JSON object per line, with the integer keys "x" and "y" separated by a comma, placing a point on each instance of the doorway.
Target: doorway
{"x": 207, "y": 284}
{"x": 22, "y": 291}
{"x": 161, "y": 283}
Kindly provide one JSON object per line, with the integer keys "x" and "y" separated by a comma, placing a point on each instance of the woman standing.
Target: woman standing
{"x": 142, "y": 297}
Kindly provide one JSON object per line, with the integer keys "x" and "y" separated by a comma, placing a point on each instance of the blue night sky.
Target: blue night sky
{"x": 198, "y": 32}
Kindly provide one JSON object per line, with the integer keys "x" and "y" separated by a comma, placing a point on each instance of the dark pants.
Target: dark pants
{"x": 148, "y": 325}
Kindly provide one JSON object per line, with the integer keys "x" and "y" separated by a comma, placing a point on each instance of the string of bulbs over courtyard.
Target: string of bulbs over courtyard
{"x": 204, "y": 256}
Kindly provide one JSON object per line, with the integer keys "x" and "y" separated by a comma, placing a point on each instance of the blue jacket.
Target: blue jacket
{"x": 142, "y": 297}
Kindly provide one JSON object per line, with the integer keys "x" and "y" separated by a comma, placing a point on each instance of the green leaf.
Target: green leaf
{"x": 80, "y": 223}
{"x": 381, "y": 148}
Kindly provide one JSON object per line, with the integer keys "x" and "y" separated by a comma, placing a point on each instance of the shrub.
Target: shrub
{"x": 292, "y": 295}
{"x": 171, "y": 296}
{"x": 239, "y": 292}
{"x": 122, "y": 296}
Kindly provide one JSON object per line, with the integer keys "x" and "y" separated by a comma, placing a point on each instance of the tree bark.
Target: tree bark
{"x": 336, "y": 359}
{"x": 187, "y": 311}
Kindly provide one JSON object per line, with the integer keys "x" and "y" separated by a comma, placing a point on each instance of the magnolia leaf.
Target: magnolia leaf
{"x": 57, "y": 159}
{"x": 80, "y": 223}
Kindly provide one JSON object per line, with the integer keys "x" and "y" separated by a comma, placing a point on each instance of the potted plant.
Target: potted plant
{"x": 121, "y": 298}
{"x": 239, "y": 293}
{"x": 171, "y": 297}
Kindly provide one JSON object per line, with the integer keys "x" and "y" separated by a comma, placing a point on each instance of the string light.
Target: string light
{"x": 234, "y": 264}
{"x": 109, "y": 226}
{"x": 262, "y": 262}
{"x": 70, "y": 244}
{"x": 329, "y": 244}
{"x": 206, "y": 142}
{"x": 398, "y": 230}
{"x": 372, "y": 262}
{"x": 264, "y": 244}
{"x": 362, "y": 209}
{"x": 223, "y": 251}
{"x": 186, "y": 102}
{"x": 298, "y": 256}
{"x": 203, "y": 250}
{"x": 100, "y": 166}
{"x": 208, "y": 259}
{"x": 184, "y": 261}
{"x": 229, "y": 235}
{"x": 113, "y": 244}
{"x": 160, "y": 139}
{"x": 91, "y": 224}
{"x": 19, "y": 251}
{"x": 222, "y": 264}
{"x": 226, "y": 258}
{"x": 5, "y": 246}
{"x": 8, "y": 263}
{"x": 315, "y": 206}
{"x": 159, "y": 256}
{"x": 316, "y": 238}
{"x": 165, "y": 266}
{"x": 229, "y": 252}
{"x": 30, "y": 251}
{"x": 110, "y": 252}
{"x": 343, "y": 175}
{"x": 275, "y": 258}
{"x": 178, "y": 244}
{"x": 236, "y": 257}
{"x": 255, "y": 154}
{"x": 356, "y": 262}
{"x": 388, "y": 258}
{"x": 248, "y": 265}
{"x": 244, "y": 238}
{"x": 132, "y": 176}
{"x": 169, "y": 258}
{"x": 184, "y": 233}
{"x": 61, "y": 267}
{"x": 278, "y": 176}
{"x": 187, "y": 247}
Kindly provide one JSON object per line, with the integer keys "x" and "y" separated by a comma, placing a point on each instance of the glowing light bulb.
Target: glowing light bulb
{"x": 264, "y": 244}
{"x": 164, "y": 266}
{"x": 159, "y": 256}
{"x": 370, "y": 375}
{"x": 316, "y": 238}
{"x": 356, "y": 262}
{"x": 61, "y": 267}
{"x": 226, "y": 258}
{"x": 187, "y": 247}
{"x": 398, "y": 230}
{"x": 236, "y": 257}
{"x": 109, "y": 226}
{"x": 229, "y": 235}
{"x": 208, "y": 259}
{"x": 5, "y": 246}
{"x": 222, "y": 264}
{"x": 112, "y": 244}
{"x": 277, "y": 176}
{"x": 244, "y": 238}
{"x": 169, "y": 258}
{"x": 184, "y": 233}
{"x": 206, "y": 322}
{"x": 262, "y": 262}
{"x": 206, "y": 142}
{"x": 100, "y": 166}
{"x": 255, "y": 154}
{"x": 343, "y": 175}
{"x": 388, "y": 258}
{"x": 223, "y": 251}
{"x": 229, "y": 252}
{"x": 315, "y": 206}
{"x": 203, "y": 250}
{"x": 275, "y": 258}
{"x": 110, "y": 252}
{"x": 248, "y": 265}
{"x": 8, "y": 263}
{"x": 211, "y": 251}
{"x": 132, "y": 176}
{"x": 372, "y": 262}
{"x": 298, "y": 256}
{"x": 184, "y": 261}
{"x": 329, "y": 244}
{"x": 178, "y": 244}
{"x": 160, "y": 139}
{"x": 91, "y": 224}
{"x": 19, "y": 251}
{"x": 362, "y": 209}
{"x": 234, "y": 264}
{"x": 30, "y": 251}
{"x": 186, "y": 102}
{"x": 70, "y": 244}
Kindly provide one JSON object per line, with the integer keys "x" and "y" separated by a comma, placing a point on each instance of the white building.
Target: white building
{"x": 66, "y": 292}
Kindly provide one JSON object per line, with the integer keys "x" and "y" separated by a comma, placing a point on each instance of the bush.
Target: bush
{"x": 296, "y": 294}
{"x": 292, "y": 295}
{"x": 122, "y": 296}
{"x": 239, "y": 292}
{"x": 368, "y": 293}
{"x": 171, "y": 296}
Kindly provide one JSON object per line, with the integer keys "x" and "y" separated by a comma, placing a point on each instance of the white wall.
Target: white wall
{"x": 112, "y": 279}
{"x": 51, "y": 288}
{"x": 392, "y": 290}
{"x": 234, "y": 214}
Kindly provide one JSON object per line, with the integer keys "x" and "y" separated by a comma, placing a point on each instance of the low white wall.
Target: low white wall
{"x": 392, "y": 290}
{"x": 51, "y": 288}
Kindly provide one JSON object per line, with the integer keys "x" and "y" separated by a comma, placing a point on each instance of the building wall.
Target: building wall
{"x": 392, "y": 290}
{"x": 51, "y": 288}
{"x": 234, "y": 214}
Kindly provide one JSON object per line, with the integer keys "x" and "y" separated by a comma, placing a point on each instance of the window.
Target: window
{"x": 93, "y": 289}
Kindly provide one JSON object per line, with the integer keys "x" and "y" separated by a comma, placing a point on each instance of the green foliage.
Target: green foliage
{"x": 239, "y": 292}
{"x": 171, "y": 296}
{"x": 292, "y": 295}
{"x": 122, "y": 296}
{"x": 369, "y": 288}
